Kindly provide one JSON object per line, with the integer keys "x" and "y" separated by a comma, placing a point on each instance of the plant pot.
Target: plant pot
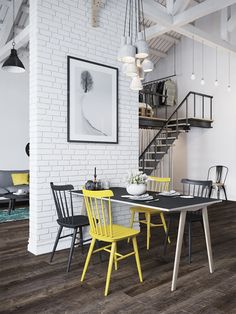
{"x": 136, "y": 189}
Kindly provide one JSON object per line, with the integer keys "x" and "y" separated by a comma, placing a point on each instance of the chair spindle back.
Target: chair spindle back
{"x": 156, "y": 184}
{"x": 218, "y": 174}
{"x": 63, "y": 200}
{"x": 98, "y": 205}
{"x": 196, "y": 187}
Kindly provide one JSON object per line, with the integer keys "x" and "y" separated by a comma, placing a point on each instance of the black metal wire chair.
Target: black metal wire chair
{"x": 66, "y": 219}
{"x": 218, "y": 175}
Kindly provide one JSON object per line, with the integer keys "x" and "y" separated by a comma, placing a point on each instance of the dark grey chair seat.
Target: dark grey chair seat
{"x": 73, "y": 222}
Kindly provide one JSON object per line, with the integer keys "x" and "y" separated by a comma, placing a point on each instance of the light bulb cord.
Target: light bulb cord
{"x": 216, "y": 64}
{"x": 144, "y": 31}
{"x": 193, "y": 56}
{"x": 126, "y": 13}
{"x": 13, "y": 24}
{"x": 229, "y": 70}
{"x": 202, "y": 59}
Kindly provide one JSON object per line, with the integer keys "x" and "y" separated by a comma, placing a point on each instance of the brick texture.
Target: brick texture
{"x": 58, "y": 29}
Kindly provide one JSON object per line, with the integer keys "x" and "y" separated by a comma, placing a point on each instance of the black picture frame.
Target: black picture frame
{"x": 78, "y": 68}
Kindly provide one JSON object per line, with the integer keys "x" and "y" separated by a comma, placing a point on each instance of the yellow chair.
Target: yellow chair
{"x": 102, "y": 229}
{"x": 155, "y": 184}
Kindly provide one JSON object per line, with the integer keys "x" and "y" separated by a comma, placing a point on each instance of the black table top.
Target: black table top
{"x": 164, "y": 203}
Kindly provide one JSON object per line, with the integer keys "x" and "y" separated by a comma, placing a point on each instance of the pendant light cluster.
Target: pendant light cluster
{"x": 134, "y": 50}
{"x": 13, "y": 64}
{"x": 216, "y": 82}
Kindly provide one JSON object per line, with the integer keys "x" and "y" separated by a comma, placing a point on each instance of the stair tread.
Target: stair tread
{"x": 150, "y": 159}
{"x": 167, "y": 138}
{"x": 155, "y": 152}
{"x": 161, "y": 145}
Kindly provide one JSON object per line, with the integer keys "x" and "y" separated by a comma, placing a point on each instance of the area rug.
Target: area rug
{"x": 17, "y": 214}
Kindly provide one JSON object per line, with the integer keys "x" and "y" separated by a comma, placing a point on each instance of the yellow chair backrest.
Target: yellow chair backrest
{"x": 157, "y": 184}
{"x": 99, "y": 211}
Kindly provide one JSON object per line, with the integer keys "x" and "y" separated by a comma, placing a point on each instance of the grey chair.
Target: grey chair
{"x": 218, "y": 175}
{"x": 195, "y": 188}
{"x": 66, "y": 218}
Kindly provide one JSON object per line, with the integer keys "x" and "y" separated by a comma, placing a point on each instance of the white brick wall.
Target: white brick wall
{"x": 58, "y": 29}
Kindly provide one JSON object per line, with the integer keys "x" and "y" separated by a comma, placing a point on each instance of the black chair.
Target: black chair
{"x": 218, "y": 175}
{"x": 66, "y": 218}
{"x": 195, "y": 188}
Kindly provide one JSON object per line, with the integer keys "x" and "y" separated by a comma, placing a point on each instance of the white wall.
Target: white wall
{"x": 202, "y": 148}
{"x": 58, "y": 29}
{"x": 14, "y": 118}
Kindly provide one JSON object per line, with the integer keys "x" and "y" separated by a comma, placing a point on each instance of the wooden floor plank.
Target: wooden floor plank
{"x": 30, "y": 284}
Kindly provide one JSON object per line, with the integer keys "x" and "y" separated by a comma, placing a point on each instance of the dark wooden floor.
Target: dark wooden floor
{"x": 29, "y": 284}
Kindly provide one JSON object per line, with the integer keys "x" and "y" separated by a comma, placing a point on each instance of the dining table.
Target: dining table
{"x": 168, "y": 204}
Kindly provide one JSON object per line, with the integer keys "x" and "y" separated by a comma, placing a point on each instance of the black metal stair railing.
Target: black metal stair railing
{"x": 173, "y": 129}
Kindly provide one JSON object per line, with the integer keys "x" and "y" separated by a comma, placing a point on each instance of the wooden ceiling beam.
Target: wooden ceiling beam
{"x": 7, "y": 25}
{"x": 158, "y": 53}
{"x": 165, "y": 24}
{"x": 21, "y": 39}
{"x": 202, "y": 9}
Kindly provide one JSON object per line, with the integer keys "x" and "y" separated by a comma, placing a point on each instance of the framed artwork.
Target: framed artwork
{"x": 92, "y": 91}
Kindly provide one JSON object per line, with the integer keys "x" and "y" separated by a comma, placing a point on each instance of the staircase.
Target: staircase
{"x": 195, "y": 110}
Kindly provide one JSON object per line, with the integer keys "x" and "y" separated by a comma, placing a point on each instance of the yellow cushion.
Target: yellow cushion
{"x": 20, "y": 178}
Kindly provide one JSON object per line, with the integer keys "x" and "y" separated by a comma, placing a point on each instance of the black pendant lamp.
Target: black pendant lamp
{"x": 13, "y": 64}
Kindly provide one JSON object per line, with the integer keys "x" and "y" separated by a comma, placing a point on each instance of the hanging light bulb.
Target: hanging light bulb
{"x": 124, "y": 68}
{"x": 216, "y": 83}
{"x": 202, "y": 80}
{"x": 141, "y": 43}
{"x": 193, "y": 74}
{"x": 141, "y": 73}
{"x": 13, "y": 64}
{"x": 229, "y": 74}
{"x": 129, "y": 52}
{"x": 121, "y": 51}
{"x": 142, "y": 47}
{"x": 216, "y": 80}
{"x": 147, "y": 65}
{"x": 131, "y": 70}
{"x": 135, "y": 56}
{"x": 136, "y": 84}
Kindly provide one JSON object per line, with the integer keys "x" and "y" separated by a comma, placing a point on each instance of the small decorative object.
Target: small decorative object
{"x": 92, "y": 90}
{"x": 106, "y": 185}
{"x": 89, "y": 185}
{"x": 137, "y": 183}
{"x": 27, "y": 149}
{"x": 95, "y": 177}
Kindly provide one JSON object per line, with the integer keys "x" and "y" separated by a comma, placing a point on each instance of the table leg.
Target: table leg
{"x": 208, "y": 239}
{"x": 182, "y": 219}
{"x": 11, "y": 206}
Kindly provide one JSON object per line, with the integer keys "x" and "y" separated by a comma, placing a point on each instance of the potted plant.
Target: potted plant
{"x": 137, "y": 183}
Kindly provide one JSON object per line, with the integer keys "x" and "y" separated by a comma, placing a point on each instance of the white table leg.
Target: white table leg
{"x": 208, "y": 239}
{"x": 178, "y": 249}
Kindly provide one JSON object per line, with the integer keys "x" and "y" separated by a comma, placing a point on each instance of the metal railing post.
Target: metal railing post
{"x": 211, "y": 108}
{"x": 203, "y": 113}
